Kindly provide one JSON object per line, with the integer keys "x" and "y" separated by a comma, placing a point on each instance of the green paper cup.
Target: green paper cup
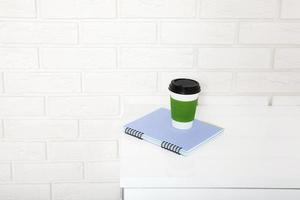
{"x": 184, "y": 95}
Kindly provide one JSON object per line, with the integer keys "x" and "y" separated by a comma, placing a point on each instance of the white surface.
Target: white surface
{"x": 211, "y": 194}
{"x": 257, "y": 149}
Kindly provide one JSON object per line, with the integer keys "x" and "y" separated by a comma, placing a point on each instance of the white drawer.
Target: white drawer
{"x": 211, "y": 194}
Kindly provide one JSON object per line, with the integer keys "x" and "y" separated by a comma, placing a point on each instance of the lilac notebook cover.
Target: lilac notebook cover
{"x": 156, "y": 127}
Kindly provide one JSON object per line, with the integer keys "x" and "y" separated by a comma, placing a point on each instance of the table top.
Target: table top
{"x": 259, "y": 148}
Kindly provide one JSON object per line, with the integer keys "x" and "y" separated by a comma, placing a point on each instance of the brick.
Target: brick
{"x": 88, "y": 191}
{"x": 38, "y": 32}
{"x": 25, "y": 191}
{"x": 174, "y": 8}
{"x": 234, "y": 100}
{"x": 268, "y": 82}
{"x": 103, "y": 171}
{"x": 147, "y": 100}
{"x": 117, "y": 32}
{"x": 17, "y": 8}
{"x": 120, "y": 82}
{"x": 238, "y": 8}
{"x": 210, "y": 81}
{"x": 15, "y": 58}
{"x": 234, "y": 57}
{"x": 92, "y": 151}
{"x": 159, "y": 58}
{"x": 21, "y": 106}
{"x": 1, "y": 129}
{"x": 83, "y": 106}
{"x": 287, "y": 58}
{"x": 46, "y": 172}
{"x": 22, "y": 151}
{"x": 269, "y": 33}
{"x": 197, "y": 32}
{"x": 78, "y": 9}
{"x": 5, "y": 172}
{"x": 82, "y": 58}
{"x": 1, "y": 85}
{"x": 42, "y": 82}
{"x": 39, "y": 128}
{"x": 95, "y": 128}
{"x": 286, "y": 101}
{"x": 290, "y": 9}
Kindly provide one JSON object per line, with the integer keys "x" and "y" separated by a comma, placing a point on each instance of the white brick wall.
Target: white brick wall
{"x": 21, "y": 106}
{"x": 77, "y": 58}
{"x": 5, "y": 173}
{"x": 103, "y": 171}
{"x": 22, "y": 151}
{"x": 42, "y": 82}
{"x": 117, "y": 32}
{"x": 40, "y": 128}
{"x": 157, "y": 9}
{"x": 17, "y": 8}
{"x": 77, "y": 9}
{"x": 68, "y": 70}
{"x": 269, "y": 33}
{"x": 31, "y": 32}
{"x": 83, "y": 150}
{"x": 18, "y": 58}
{"x": 25, "y": 191}
{"x": 234, "y": 58}
{"x": 238, "y": 8}
{"x": 45, "y": 172}
{"x": 290, "y": 9}
{"x": 190, "y": 32}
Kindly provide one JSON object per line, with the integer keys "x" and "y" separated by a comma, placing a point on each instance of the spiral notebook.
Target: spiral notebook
{"x": 156, "y": 127}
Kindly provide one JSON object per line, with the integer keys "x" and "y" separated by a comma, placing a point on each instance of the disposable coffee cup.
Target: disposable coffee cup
{"x": 184, "y": 95}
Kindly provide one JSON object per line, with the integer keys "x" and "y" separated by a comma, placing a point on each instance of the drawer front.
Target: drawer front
{"x": 211, "y": 194}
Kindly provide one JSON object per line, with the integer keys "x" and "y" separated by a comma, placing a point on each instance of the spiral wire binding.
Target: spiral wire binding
{"x": 171, "y": 147}
{"x": 134, "y": 133}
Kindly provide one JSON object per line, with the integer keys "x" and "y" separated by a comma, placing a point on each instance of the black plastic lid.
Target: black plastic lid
{"x": 184, "y": 86}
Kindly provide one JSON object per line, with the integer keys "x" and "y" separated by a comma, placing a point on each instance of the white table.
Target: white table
{"x": 257, "y": 157}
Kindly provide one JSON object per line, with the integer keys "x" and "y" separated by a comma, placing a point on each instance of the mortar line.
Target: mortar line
{"x": 78, "y": 32}
{"x": 83, "y": 170}
{"x": 3, "y": 82}
{"x": 46, "y": 151}
{"x": 38, "y": 57}
{"x": 51, "y": 191}
{"x": 118, "y": 57}
{"x": 237, "y": 33}
{"x": 117, "y": 6}
{"x": 37, "y": 10}
{"x": 11, "y": 171}
{"x": 3, "y": 129}
{"x": 81, "y": 82}
{"x": 270, "y": 100}
{"x": 279, "y": 9}
{"x": 78, "y": 128}
{"x": 45, "y": 98}
{"x": 198, "y": 8}
{"x": 272, "y": 61}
